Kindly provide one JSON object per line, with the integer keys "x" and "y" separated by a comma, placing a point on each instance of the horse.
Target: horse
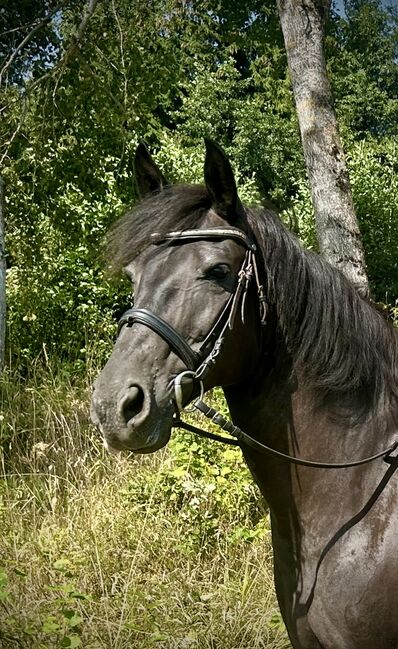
{"x": 226, "y": 296}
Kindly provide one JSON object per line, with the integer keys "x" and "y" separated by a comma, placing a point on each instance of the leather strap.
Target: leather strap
{"x": 200, "y": 235}
{"x": 177, "y": 343}
{"x": 239, "y": 437}
{"x": 165, "y": 331}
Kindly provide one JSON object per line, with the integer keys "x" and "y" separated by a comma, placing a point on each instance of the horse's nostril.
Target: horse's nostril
{"x": 131, "y": 404}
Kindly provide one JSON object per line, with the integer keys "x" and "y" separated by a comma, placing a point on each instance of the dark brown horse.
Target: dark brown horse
{"x": 307, "y": 367}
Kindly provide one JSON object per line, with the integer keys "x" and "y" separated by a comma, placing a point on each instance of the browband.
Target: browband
{"x": 209, "y": 233}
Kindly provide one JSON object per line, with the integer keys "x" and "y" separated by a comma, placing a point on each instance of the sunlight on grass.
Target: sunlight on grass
{"x": 170, "y": 550}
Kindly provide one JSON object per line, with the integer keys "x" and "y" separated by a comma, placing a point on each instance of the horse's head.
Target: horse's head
{"x": 189, "y": 252}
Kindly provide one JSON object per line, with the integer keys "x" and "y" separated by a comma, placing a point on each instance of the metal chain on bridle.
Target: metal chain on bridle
{"x": 200, "y": 362}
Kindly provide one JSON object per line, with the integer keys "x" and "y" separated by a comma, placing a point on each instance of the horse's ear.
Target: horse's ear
{"x": 148, "y": 176}
{"x": 220, "y": 182}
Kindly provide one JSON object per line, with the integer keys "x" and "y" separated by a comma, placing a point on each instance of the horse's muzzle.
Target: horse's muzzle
{"x": 132, "y": 420}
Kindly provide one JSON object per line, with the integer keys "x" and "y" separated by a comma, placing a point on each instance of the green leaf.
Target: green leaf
{"x": 62, "y": 565}
{"x": 73, "y": 618}
{"x": 50, "y": 625}
{"x": 71, "y": 641}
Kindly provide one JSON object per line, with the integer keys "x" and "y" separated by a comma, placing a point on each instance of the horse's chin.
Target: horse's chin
{"x": 136, "y": 441}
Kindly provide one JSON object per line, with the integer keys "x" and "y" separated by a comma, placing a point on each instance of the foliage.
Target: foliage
{"x": 17, "y": 21}
{"x": 58, "y": 294}
{"x": 374, "y": 173}
{"x": 362, "y": 54}
{"x": 101, "y": 551}
{"x": 171, "y": 73}
{"x": 373, "y": 166}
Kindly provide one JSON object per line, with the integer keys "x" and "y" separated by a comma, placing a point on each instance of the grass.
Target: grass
{"x": 170, "y": 550}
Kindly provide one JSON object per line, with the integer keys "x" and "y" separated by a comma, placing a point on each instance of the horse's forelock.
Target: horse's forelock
{"x": 177, "y": 207}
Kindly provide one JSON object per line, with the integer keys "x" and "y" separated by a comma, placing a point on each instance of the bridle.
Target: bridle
{"x": 196, "y": 360}
{"x": 198, "y": 363}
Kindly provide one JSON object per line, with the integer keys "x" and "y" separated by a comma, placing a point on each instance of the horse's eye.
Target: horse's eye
{"x": 218, "y": 272}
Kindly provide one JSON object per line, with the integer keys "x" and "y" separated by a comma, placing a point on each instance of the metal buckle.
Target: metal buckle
{"x": 177, "y": 384}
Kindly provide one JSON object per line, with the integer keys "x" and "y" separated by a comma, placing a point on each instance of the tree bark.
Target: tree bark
{"x": 2, "y": 276}
{"x": 338, "y": 233}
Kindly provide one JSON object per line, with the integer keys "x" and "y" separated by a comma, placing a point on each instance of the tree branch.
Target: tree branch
{"x": 72, "y": 49}
{"x": 87, "y": 68}
{"x": 74, "y": 45}
{"x": 26, "y": 40}
{"x": 77, "y": 37}
{"x": 7, "y": 145}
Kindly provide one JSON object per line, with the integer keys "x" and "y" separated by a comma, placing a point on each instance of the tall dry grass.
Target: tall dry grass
{"x": 100, "y": 552}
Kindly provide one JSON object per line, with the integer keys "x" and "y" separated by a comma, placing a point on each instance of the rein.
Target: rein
{"x": 199, "y": 362}
{"x": 238, "y": 436}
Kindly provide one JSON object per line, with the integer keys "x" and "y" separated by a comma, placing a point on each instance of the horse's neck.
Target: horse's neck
{"x": 282, "y": 413}
{"x": 308, "y": 505}
{"x": 312, "y": 510}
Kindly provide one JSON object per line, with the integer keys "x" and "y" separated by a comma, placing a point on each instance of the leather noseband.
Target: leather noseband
{"x": 176, "y": 342}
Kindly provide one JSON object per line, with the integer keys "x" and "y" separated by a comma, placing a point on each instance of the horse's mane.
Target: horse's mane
{"x": 339, "y": 340}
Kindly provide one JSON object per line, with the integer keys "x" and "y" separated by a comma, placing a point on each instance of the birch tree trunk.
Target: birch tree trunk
{"x": 338, "y": 234}
{"x": 2, "y": 276}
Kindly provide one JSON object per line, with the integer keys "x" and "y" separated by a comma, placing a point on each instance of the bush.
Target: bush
{"x": 59, "y": 297}
{"x": 373, "y": 168}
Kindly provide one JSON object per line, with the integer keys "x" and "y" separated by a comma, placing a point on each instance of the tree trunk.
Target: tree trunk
{"x": 2, "y": 276}
{"x": 336, "y": 223}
